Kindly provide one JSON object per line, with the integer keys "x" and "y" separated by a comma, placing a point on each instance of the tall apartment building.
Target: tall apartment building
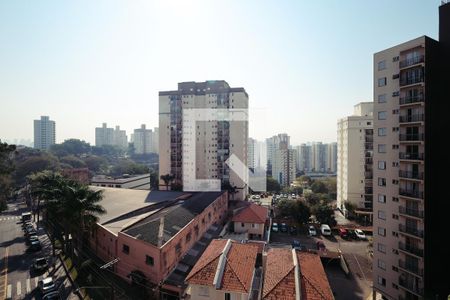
{"x": 272, "y": 144}
{"x": 142, "y": 140}
{"x": 104, "y": 135}
{"x": 44, "y": 133}
{"x": 411, "y": 92}
{"x": 120, "y": 138}
{"x": 283, "y": 167}
{"x": 354, "y": 156}
{"x": 318, "y": 157}
{"x": 155, "y": 140}
{"x": 331, "y": 158}
{"x": 303, "y": 157}
{"x": 252, "y": 146}
{"x": 215, "y": 141}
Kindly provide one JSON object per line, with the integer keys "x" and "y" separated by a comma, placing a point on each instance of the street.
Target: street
{"x": 17, "y": 281}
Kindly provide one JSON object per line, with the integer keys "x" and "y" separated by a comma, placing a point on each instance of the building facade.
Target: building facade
{"x": 143, "y": 140}
{"x": 215, "y": 141}
{"x": 120, "y": 138}
{"x": 283, "y": 166}
{"x": 104, "y": 135}
{"x": 355, "y": 158}
{"x": 252, "y": 146}
{"x": 274, "y": 143}
{"x": 411, "y": 88}
{"x": 331, "y": 159}
{"x": 44, "y": 133}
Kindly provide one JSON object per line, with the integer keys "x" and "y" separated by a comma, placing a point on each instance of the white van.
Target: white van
{"x": 325, "y": 229}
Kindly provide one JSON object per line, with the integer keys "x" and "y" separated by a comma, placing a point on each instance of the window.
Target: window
{"x": 203, "y": 291}
{"x": 395, "y": 58}
{"x": 395, "y": 147}
{"x": 395, "y": 129}
{"x": 381, "y": 115}
{"x": 242, "y": 224}
{"x": 381, "y": 65}
{"x": 395, "y": 286}
{"x": 394, "y": 268}
{"x": 382, "y": 131}
{"x": 381, "y": 231}
{"x": 227, "y": 296}
{"x": 381, "y": 215}
{"x": 381, "y": 281}
{"x": 394, "y": 181}
{"x": 149, "y": 260}
{"x": 381, "y": 148}
{"x": 188, "y": 237}
{"x": 395, "y": 111}
{"x": 394, "y": 233}
{"x": 394, "y": 216}
{"x": 382, "y": 98}
{"x": 178, "y": 248}
{"x": 396, "y": 94}
{"x": 382, "y": 81}
{"x": 381, "y": 248}
{"x": 125, "y": 249}
{"x": 381, "y": 181}
{"x": 254, "y": 225}
{"x": 394, "y": 199}
{"x": 381, "y": 165}
{"x": 381, "y": 264}
{"x": 381, "y": 198}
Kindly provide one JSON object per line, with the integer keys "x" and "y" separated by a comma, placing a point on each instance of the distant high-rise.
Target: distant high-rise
{"x": 304, "y": 158}
{"x": 120, "y": 138}
{"x": 215, "y": 141}
{"x": 411, "y": 123}
{"x": 155, "y": 140}
{"x": 318, "y": 157}
{"x": 281, "y": 159}
{"x": 251, "y": 147}
{"x": 142, "y": 140}
{"x": 44, "y": 133}
{"x": 355, "y": 151}
{"x": 331, "y": 158}
{"x": 104, "y": 135}
{"x": 272, "y": 144}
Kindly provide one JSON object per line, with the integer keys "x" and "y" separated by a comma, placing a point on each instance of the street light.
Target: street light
{"x": 97, "y": 287}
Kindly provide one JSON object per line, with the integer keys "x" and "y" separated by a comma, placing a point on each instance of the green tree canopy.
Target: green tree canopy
{"x": 95, "y": 163}
{"x": 73, "y": 161}
{"x": 34, "y": 164}
{"x": 296, "y": 210}
{"x": 6, "y": 168}
{"x": 71, "y": 147}
{"x": 324, "y": 213}
{"x": 319, "y": 187}
{"x": 272, "y": 185}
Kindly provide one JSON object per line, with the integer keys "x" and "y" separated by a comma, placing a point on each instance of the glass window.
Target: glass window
{"x": 125, "y": 249}
{"x": 381, "y": 65}
{"x": 149, "y": 260}
{"x": 381, "y": 165}
{"x": 381, "y": 248}
{"x": 381, "y": 198}
{"x": 381, "y": 231}
{"x": 381, "y": 281}
{"x": 382, "y": 98}
{"x": 382, "y": 81}
{"x": 381, "y": 264}
{"x": 382, "y": 131}
{"x": 381, "y": 115}
{"x": 381, "y": 215}
{"x": 381, "y": 181}
{"x": 381, "y": 148}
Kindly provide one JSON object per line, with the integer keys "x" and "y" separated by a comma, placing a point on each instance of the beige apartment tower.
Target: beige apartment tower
{"x": 215, "y": 141}
{"x": 411, "y": 107}
{"x": 354, "y": 156}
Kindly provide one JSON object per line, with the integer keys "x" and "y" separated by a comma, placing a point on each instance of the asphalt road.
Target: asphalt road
{"x": 16, "y": 279}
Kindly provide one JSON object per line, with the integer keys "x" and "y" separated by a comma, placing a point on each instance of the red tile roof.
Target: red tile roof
{"x": 252, "y": 214}
{"x": 279, "y": 280}
{"x": 238, "y": 270}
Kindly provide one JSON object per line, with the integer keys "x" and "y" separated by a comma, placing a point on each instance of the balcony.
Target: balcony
{"x": 418, "y": 137}
{"x": 410, "y": 268}
{"x": 411, "y": 193}
{"x": 410, "y": 286}
{"x": 411, "y": 212}
{"x": 411, "y": 61}
{"x": 369, "y": 160}
{"x": 410, "y": 175}
{"x": 410, "y": 230}
{"x": 411, "y": 156}
{"x": 412, "y": 118}
{"x": 410, "y": 249}
{"x": 411, "y": 99}
{"x": 369, "y": 139}
{"x": 368, "y": 191}
{"x": 368, "y": 175}
{"x": 411, "y": 80}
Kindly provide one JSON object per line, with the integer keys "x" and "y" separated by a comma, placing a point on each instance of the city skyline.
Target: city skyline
{"x": 122, "y": 84}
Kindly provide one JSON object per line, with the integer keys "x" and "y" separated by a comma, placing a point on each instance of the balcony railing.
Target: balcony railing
{"x": 368, "y": 191}
{"x": 410, "y": 249}
{"x": 410, "y": 230}
{"x": 368, "y": 175}
{"x": 411, "y": 193}
{"x": 410, "y": 267}
{"x": 411, "y": 155}
{"x": 411, "y": 99}
{"x": 412, "y": 118}
{"x": 412, "y": 61}
{"x": 412, "y": 137}
{"x": 369, "y": 160}
{"x": 369, "y": 139}
{"x": 411, "y": 80}
{"x": 410, "y": 286}
{"x": 410, "y": 211}
{"x": 410, "y": 175}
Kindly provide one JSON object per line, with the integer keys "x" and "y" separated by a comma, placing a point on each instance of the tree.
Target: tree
{"x": 324, "y": 213}
{"x": 35, "y": 164}
{"x": 304, "y": 180}
{"x": 95, "y": 163}
{"x": 127, "y": 166}
{"x": 319, "y": 187}
{"x": 167, "y": 180}
{"x": 6, "y": 168}
{"x": 71, "y": 147}
{"x": 297, "y": 210}
{"x": 73, "y": 161}
{"x": 272, "y": 185}
{"x": 312, "y": 199}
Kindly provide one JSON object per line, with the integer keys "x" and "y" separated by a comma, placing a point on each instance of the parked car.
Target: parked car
{"x": 360, "y": 234}
{"x": 35, "y": 246}
{"x": 32, "y": 238}
{"x": 26, "y": 216}
{"x": 293, "y": 230}
{"x": 46, "y": 285}
{"x": 312, "y": 231}
{"x": 320, "y": 245}
{"x": 40, "y": 264}
{"x": 283, "y": 227}
{"x": 325, "y": 229}
{"x": 257, "y": 197}
{"x": 275, "y": 227}
{"x": 343, "y": 233}
{"x": 52, "y": 296}
{"x": 296, "y": 245}
{"x": 352, "y": 234}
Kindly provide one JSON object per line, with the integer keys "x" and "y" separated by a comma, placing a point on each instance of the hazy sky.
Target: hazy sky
{"x": 304, "y": 64}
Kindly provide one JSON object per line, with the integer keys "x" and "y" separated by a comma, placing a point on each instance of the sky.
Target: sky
{"x": 304, "y": 64}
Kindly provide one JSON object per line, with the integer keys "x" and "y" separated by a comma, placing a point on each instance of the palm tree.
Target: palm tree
{"x": 167, "y": 180}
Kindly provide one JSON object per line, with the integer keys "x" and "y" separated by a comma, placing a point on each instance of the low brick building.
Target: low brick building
{"x": 251, "y": 219}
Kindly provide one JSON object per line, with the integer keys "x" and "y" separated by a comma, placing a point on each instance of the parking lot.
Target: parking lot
{"x": 356, "y": 286}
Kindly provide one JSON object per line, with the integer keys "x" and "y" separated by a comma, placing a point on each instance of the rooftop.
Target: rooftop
{"x": 253, "y": 213}
{"x": 235, "y": 270}
{"x": 170, "y": 220}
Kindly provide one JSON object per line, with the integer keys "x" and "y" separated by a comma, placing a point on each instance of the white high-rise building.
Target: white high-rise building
{"x": 318, "y": 157}
{"x": 272, "y": 144}
{"x": 120, "y": 138}
{"x": 104, "y": 135}
{"x": 142, "y": 140}
{"x": 355, "y": 151}
{"x": 283, "y": 167}
{"x": 215, "y": 141}
{"x": 44, "y": 133}
{"x": 155, "y": 140}
{"x": 251, "y": 153}
{"x": 331, "y": 159}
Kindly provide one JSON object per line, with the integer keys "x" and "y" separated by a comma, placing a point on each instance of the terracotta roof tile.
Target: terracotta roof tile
{"x": 315, "y": 285}
{"x": 209, "y": 257}
{"x": 252, "y": 214}
{"x": 278, "y": 265}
